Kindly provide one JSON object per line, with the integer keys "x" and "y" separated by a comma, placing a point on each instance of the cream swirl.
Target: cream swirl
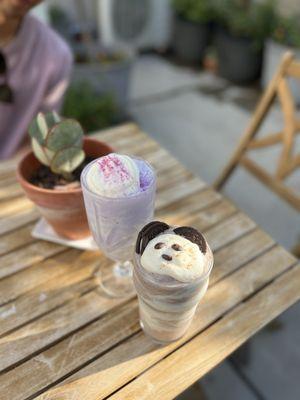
{"x": 114, "y": 176}
{"x": 175, "y": 256}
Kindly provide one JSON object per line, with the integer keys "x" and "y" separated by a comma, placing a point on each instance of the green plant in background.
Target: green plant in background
{"x": 246, "y": 18}
{"x": 57, "y": 16}
{"x": 60, "y": 21}
{"x": 92, "y": 110}
{"x": 57, "y": 143}
{"x": 286, "y": 30}
{"x": 194, "y": 10}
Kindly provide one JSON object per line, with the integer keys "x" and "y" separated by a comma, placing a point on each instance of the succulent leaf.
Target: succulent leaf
{"x": 38, "y": 129}
{"x": 40, "y": 126}
{"x": 39, "y": 152}
{"x": 52, "y": 118}
{"x": 67, "y": 133}
{"x": 66, "y": 160}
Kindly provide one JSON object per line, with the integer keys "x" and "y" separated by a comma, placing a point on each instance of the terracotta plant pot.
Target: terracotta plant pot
{"x": 63, "y": 209}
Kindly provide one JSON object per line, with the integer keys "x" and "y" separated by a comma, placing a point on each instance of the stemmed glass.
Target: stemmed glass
{"x": 115, "y": 223}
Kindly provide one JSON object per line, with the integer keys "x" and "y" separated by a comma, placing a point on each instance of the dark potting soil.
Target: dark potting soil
{"x": 43, "y": 177}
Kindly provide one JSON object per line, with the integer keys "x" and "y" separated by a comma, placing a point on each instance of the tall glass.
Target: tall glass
{"x": 115, "y": 223}
{"x": 166, "y": 305}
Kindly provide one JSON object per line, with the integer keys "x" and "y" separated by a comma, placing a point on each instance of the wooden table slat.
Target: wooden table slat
{"x": 27, "y": 256}
{"x": 18, "y": 238}
{"x": 52, "y": 294}
{"x": 10, "y": 191}
{"x": 15, "y": 285}
{"x": 26, "y": 217}
{"x": 12, "y": 208}
{"x": 240, "y": 252}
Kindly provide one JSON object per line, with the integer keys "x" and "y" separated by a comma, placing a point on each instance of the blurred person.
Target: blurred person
{"x": 35, "y": 67}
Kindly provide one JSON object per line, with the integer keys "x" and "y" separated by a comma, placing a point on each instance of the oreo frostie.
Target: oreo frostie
{"x": 171, "y": 274}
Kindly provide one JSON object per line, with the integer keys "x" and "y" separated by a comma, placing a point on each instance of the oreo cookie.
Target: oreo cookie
{"x": 192, "y": 235}
{"x": 149, "y": 232}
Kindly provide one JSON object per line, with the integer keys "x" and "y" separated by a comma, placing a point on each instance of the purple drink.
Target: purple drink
{"x": 119, "y": 194}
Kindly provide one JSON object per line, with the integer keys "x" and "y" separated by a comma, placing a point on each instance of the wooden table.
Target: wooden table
{"x": 61, "y": 339}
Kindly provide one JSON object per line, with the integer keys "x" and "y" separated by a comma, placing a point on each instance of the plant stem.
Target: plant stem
{"x": 68, "y": 176}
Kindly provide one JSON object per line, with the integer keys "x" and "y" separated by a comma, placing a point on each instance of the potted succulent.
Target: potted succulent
{"x": 192, "y": 28}
{"x": 243, "y": 26}
{"x": 285, "y": 36}
{"x": 50, "y": 173}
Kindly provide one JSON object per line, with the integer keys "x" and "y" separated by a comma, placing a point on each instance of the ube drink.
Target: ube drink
{"x": 119, "y": 194}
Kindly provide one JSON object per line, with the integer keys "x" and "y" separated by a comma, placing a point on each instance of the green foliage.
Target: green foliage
{"x": 246, "y": 18}
{"x": 57, "y": 143}
{"x": 58, "y": 16}
{"x": 286, "y": 30}
{"x": 194, "y": 10}
{"x": 92, "y": 110}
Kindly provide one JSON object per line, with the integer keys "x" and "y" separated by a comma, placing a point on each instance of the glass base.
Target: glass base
{"x": 120, "y": 283}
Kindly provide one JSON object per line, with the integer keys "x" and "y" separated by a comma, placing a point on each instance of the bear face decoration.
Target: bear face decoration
{"x": 155, "y": 228}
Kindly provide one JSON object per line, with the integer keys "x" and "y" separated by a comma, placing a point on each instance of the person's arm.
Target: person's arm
{"x": 54, "y": 96}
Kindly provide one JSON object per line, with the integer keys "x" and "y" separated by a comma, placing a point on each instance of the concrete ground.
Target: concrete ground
{"x": 199, "y": 118}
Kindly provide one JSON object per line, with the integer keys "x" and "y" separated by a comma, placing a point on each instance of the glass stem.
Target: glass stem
{"x": 123, "y": 269}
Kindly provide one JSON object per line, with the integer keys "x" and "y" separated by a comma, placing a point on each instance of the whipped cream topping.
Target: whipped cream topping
{"x": 114, "y": 175}
{"x": 175, "y": 256}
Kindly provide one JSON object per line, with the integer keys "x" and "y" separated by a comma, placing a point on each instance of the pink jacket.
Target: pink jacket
{"x": 39, "y": 66}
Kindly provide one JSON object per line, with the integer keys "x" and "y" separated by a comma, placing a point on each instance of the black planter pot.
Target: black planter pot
{"x": 190, "y": 40}
{"x": 239, "y": 61}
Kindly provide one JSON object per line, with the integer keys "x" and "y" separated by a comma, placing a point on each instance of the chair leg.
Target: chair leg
{"x": 226, "y": 173}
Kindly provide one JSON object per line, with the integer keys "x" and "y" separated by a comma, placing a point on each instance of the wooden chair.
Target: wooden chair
{"x": 288, "y": 161}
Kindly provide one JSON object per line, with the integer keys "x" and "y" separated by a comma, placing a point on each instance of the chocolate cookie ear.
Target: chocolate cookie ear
{"x": 193, "y": 236}
{"x": 149, "y": 232}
